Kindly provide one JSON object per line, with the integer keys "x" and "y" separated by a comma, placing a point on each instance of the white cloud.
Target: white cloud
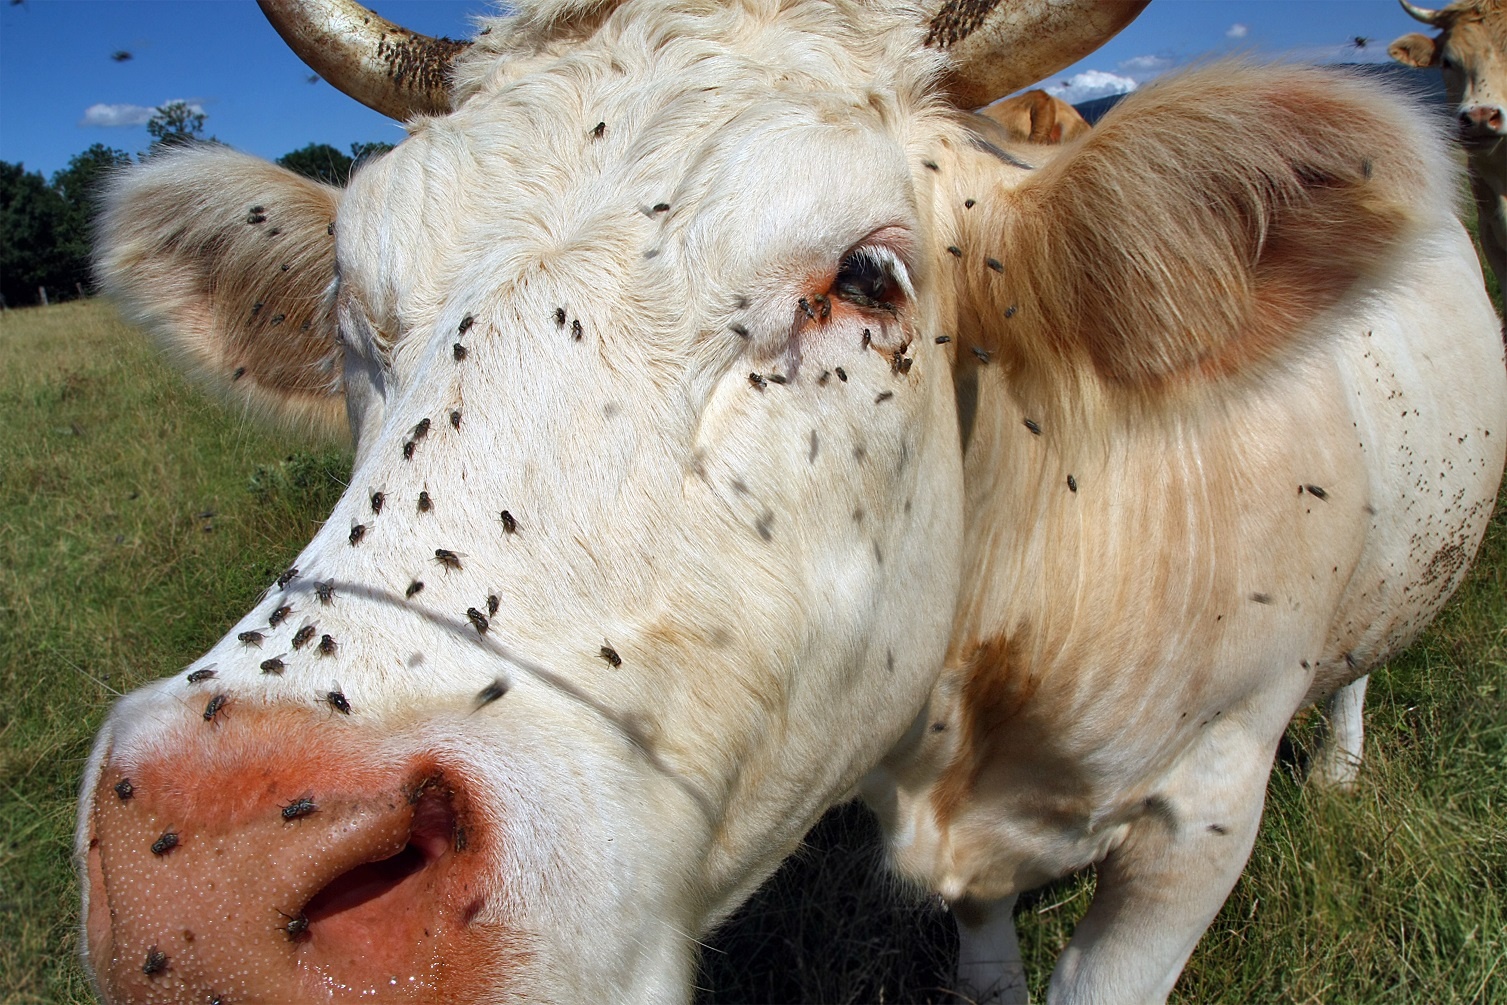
{"x": 1237, "y": 31}
{"x": 128, "y": 115}
{"x": 116, "y": 115}
{"x": 1091, "y": 84}
{"x": 1145, "y": 64}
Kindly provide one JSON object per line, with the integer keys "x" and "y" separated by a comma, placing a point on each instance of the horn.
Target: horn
{"x": 397, "y": 72}
{"x": 1423, "y": 14}
{"x": 1000, "y": 46}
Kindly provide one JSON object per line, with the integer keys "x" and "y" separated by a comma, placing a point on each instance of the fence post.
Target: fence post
{"x": 42, "y": 294}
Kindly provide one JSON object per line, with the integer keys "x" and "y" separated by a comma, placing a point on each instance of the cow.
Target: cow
{"x": 1471, "y": 50}
{"x": 1037, "y": 117}
{"x": 738, "y": 431}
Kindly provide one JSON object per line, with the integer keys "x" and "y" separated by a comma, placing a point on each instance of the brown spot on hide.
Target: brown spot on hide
{"x": 995, "y": 690}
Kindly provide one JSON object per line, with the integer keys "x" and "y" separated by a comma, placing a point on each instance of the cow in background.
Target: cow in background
{"x": 1471, "y": 50}
{"x": 1037, "y": 117}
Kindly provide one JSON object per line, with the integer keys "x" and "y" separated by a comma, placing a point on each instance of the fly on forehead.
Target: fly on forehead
{"x": 335, "y": 698}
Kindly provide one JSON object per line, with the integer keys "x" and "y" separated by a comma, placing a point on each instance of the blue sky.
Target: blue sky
{"x": 61, "y": 89}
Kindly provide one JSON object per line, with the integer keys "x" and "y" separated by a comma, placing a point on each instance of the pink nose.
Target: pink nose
{"x": 1482, "y": 120}
{"x": 285, "y": 859}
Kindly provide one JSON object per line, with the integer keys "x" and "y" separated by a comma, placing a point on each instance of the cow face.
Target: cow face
{"x": 650, "y": 547}
{"x": 1471, "y": 52}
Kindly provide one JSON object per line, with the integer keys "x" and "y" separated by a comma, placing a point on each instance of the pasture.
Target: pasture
{"x": 139, "y": 519}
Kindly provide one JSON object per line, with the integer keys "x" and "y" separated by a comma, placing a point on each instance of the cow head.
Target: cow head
{"x": 1471, "y": 51}
{"x": 651, "y": 545}
{"x": 654, "y": 347}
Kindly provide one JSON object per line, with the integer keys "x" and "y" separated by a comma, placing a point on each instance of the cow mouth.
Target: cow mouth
{"x": 1477, "y": 139}
{"x": 368, "y": 891}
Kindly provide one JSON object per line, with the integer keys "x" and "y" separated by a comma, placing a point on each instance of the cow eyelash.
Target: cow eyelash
{"x": 872, "y": 276}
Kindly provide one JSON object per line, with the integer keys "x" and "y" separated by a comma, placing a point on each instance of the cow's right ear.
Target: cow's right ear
{"x": 1197, "y": 237}
{"x": 1414, "y": 50}
{"x": 229, "y": 262}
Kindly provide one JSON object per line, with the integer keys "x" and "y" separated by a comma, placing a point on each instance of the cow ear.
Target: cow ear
{"x": 229, "y": 262}
{"x": 1199, "y": 231}
{"x": 1414, "y": 50}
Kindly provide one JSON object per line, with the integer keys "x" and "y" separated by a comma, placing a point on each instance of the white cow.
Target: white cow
{"x": 779, "y": 438}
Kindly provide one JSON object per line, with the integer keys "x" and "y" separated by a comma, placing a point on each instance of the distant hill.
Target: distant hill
{"x": 1427, "y": 85}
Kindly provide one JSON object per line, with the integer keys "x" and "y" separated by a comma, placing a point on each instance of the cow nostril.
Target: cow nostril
{"x": 365, "y": 883}
{"x": 370, "y": 884}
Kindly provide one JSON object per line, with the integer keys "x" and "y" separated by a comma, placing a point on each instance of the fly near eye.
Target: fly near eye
{"x": 872, "y": 278}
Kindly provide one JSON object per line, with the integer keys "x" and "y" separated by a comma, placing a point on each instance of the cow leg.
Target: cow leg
{"x": 1162, "y": 885}
{"x": 989, "y": 964}
{"x": 1337, "y": 762}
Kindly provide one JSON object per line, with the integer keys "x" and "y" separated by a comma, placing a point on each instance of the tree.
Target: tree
{"x": 363, "y": 152}
{"x": 174, "y": 124}
{"x": 80, "y": 185}
{"x": 323, "y": 162}
{"x": 33, "y": 219}
{"x": 319, "y": 161}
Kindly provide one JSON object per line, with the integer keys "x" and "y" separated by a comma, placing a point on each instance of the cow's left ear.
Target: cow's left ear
{"x": 1414, "y": 50}
{"x": 229, "y": 262}
{"x": 1198, "y": 233}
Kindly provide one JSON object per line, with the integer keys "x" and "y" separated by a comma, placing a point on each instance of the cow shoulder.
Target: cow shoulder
{"x": 228, "y": 261}
{"x": 1203, "y": 227}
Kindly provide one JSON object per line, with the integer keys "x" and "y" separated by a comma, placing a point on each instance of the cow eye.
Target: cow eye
{"x": 871, "y": 277}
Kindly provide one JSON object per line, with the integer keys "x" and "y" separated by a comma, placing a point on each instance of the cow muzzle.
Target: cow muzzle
{"x": 1482, "y": 124}
{"x": 268, "y": 865}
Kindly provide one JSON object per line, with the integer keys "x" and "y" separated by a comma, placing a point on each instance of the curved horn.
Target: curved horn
{"x": 397, "y": 72}
{"x": 1000, "y": 46}
{"x": 1433, "y": 17}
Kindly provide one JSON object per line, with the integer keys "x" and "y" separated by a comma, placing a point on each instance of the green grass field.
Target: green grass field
{"x": 138, "y": 520}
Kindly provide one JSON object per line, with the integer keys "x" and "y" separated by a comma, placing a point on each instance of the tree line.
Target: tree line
{"x": 46, "y": 225}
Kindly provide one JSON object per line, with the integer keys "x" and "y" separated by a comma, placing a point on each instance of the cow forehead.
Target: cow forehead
{"x": 748, "y": 48}
{"x": 1479, "y": 28}
{"x": 661, "y": 188}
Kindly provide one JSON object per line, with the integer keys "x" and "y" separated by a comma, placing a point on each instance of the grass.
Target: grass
{"x": 130, "y": 537}
{"x": 137, "y": 520}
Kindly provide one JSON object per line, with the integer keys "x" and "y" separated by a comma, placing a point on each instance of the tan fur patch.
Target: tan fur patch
{"x": 1197, "y": 233}
{"x": 228, "y": 261}
{"x": 1037, "y": 117}
{"x": 991, "y": 696}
